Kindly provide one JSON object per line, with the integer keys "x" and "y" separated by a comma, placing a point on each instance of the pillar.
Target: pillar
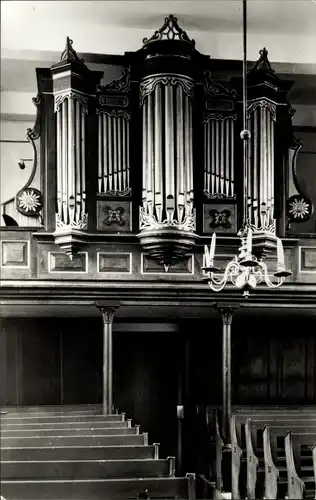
{"x": 107, "y": 311}
{"x": 226, "y": 313}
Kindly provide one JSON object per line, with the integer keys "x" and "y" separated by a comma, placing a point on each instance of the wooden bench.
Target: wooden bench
{"x": 99, "y": 431}
{"x": 238, "y": 439}
{"x": 300, "y": 479}
{"x": 84, "y": 452}
{"x": 117, "y": 440}
{"x": 88, "y": 469}
{"x": 127, "y": 489}
{"x": 274, "y": 459}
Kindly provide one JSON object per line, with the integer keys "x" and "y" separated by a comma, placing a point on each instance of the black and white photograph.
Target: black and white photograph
{"x": 158, "y": 249}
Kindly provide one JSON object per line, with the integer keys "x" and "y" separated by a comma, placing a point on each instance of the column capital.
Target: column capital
{"x": 226, "y": 311}
{"x": 107, "y": 309}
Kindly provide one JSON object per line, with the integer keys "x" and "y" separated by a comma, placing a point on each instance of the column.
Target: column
{"x": 107, "y": 310}
{"x": 226, "y": 313}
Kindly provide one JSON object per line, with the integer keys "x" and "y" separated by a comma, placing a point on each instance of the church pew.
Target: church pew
{"x": 238, "y": 440}
{"x": 23, "y": 442}
{"x": 300, "y": 479}
{"x": 60, "y": 425}
{"x": 274, "y": 463}
{"x": 87, "y": 469}
{"x": 54, "y": 409}
{"x": 247, "y": 410}
{"x": 37, "y": 419}
{"x": 83, "y": 452}
{"x": 254, "y": 451}
{"x": 103, "y": 431}
{"x": 123, "y": 489}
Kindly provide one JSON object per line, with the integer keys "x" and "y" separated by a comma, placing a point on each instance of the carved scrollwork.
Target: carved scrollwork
{"x": 114, "y": 112}
{"x": 169, "y": 31}
{"x": 217, "y": 89}
{"x": 148, "y": 221}
{"x": 148, "y": 85}
{"x": 81, "y": 98}
{"x": 126, "y": 192}
{"x": 218, "y": 196}
{"x": 121, "y": 84}
{"x": 80, "y": 224}
{"x": 263, "y": 103}
{"x": 218, "y": 116}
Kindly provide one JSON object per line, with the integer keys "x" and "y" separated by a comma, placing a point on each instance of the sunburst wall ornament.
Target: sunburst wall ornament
{"x": 299, "y": 208}
{"x": 29, "y": 202}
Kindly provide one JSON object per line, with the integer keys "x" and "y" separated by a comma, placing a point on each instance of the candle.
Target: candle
{"x": 249, "y": 241}
{"x": 212, "y": 249}
{"x": 280, "y": 253}
{"x": 205, "y": 257}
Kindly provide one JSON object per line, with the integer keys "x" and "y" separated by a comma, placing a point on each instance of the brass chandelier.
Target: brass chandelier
{"x": 247, "y": 269}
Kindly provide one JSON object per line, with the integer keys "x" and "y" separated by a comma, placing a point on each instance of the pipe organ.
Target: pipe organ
{"x": 71, "y": 110}
{"x": 113, "y": 115}
{"x": 168, "y": 197}
{"x": 261, "y": 116}
{"x": 156, "y": 152}
{"x": 72, "y": 85}
{"x": 219, "y": 121}
{"x": 219, "y": 156}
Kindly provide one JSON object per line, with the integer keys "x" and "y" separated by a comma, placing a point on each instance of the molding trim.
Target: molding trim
{"x": 67, "y": 271}
{"x": 28, "y": 254}
{"x": 300, "y": 260}
{"x": 163, "y": 273}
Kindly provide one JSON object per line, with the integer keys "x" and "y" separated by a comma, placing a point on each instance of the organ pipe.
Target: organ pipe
{"x": 261, "y": 120}
{"x": 70, "y": 123}
{"x": 167, "y": 151}
{"x": 219, "y": 156}
{"x": 113, "y": 153}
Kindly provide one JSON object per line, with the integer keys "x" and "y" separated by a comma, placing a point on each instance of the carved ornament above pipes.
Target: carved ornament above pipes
{"x": 169, "y": 31}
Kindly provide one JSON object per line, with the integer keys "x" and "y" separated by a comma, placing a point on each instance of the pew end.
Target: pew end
{"x": 296, "y": 486}
{"x": 236, "y": 459}
{"x": 252, "y": 461}
{"x": 270, "y": 470}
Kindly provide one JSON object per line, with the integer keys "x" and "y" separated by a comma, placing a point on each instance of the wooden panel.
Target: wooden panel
{"x": 60, "y": 262}
{"x": 114, "y": 262}
{"x": 307, "y": 259}
{"x": 15, "y": 254}
{"x": 219, "y": 217}
{"x": 114, "y": 216}
{"x": 251, "y": 362}
{"x": 150, "y": 266}
{"x": 39, "y": 362}
{"x": 274, "y": 361}
{"x": 145, "y": 378}
{"x": 82, "y": 352}
{"x": 9, "y": 371}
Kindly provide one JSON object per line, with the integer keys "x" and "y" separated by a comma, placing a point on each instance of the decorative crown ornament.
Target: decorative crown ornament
{"x": 169, "y": 31}
{"x": 69, "y": 54}
{"x": 263, "y": 64}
